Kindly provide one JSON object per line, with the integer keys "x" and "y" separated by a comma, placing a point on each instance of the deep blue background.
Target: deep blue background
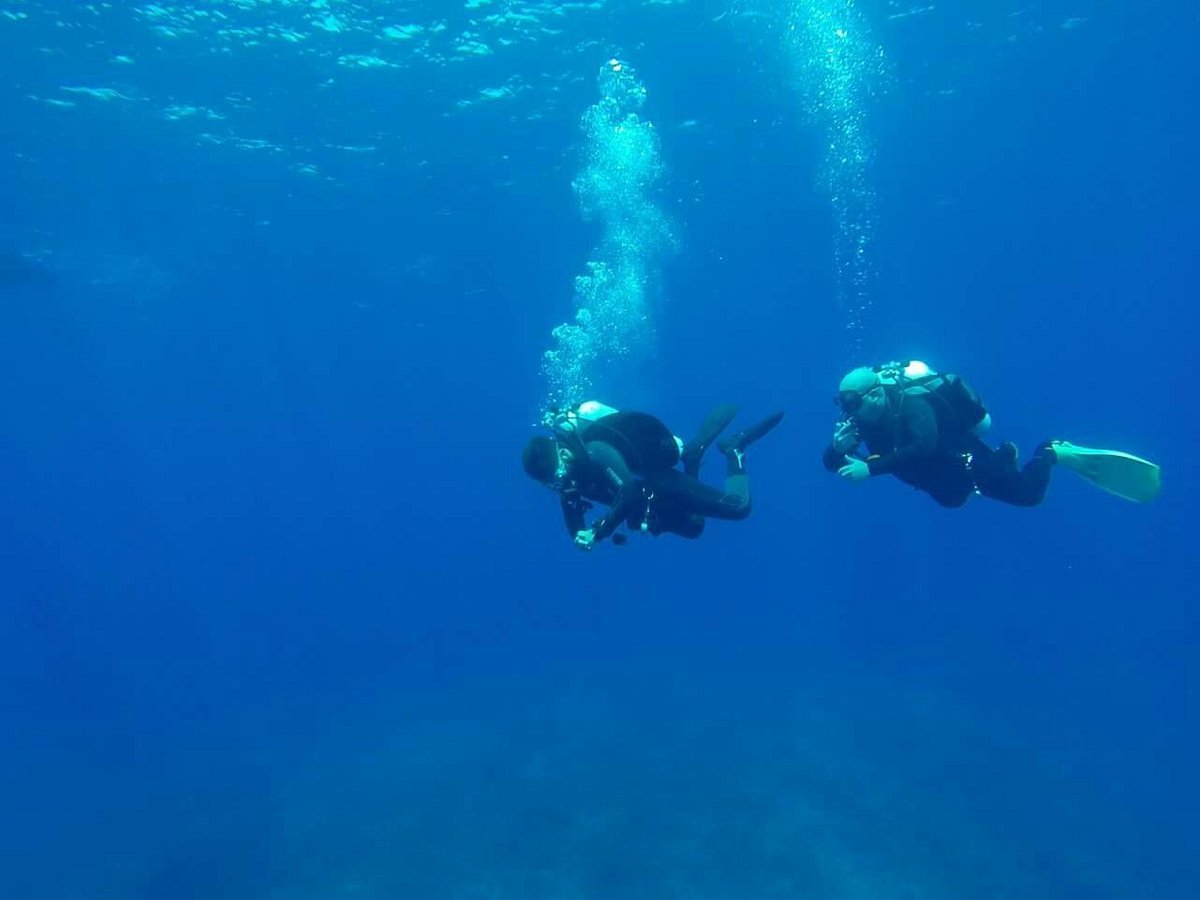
{"x": 282, "y": 618}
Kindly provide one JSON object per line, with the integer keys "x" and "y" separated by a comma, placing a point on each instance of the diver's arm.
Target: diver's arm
{"x": 629, "y": 496}
{"x": 626, "y": 489}
{"x": 920, "y": 424}
{"x": 573, "y": 509}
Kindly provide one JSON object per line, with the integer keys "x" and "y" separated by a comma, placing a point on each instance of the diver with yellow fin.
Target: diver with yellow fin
{"x": 927, "y": 429}
{"x": 628, "y": 460}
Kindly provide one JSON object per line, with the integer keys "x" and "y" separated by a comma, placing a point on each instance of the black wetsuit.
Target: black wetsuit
{"x": 924, "y": 445}
{"x": 624, "y": 462}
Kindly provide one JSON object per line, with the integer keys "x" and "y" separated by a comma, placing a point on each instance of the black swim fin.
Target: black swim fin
{"x": 710, "y": 429}
{"x": 744, "y": 438}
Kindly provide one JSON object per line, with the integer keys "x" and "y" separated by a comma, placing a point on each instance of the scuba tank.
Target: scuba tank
{"x": 570, "y": 420}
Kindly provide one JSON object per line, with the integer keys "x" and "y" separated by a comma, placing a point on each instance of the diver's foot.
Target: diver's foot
{"x": 735, "y": 445}
{"x": 1051, "y": 449}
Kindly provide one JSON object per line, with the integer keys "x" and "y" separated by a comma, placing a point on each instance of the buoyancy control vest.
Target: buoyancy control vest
{"x": 644, "y": 442}
{"x": 955, "y": 404}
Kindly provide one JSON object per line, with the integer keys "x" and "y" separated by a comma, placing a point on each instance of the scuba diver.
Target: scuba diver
{"x": 927, "y": 429}
{"x": 627, "y": 461}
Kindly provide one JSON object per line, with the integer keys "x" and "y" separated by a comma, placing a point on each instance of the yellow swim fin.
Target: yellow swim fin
{"x": 1118, "y": 473}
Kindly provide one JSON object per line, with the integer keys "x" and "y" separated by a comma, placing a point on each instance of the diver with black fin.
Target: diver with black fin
{"x": 927, "y": 429}
{"x": 647, "y": 477}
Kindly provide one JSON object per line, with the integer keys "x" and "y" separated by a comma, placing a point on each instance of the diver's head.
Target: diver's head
{"x": 545, "y": 460}
{"x": 861, "y": 395}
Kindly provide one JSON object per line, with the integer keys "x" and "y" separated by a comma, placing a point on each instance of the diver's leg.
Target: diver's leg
{"x": 710, "y": 429}
{"x": 1020, "y": 487}
{"x": 946, "y": 479}
{"x": 684, "y": 524}
{"x": 686, "y": 492}
{"x": 951, "y": 496}
{"x": 682, "y": 492}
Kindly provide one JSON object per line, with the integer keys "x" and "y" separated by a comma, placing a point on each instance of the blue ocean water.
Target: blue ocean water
{"x": 283, "y": 619}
